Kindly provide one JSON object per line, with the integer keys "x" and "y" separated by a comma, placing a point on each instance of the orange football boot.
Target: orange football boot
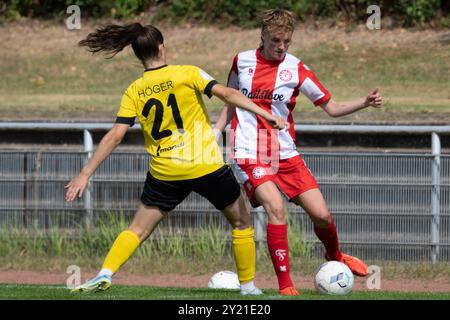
{"x": 358, "y": 267}
{"x": 289, "y": 291}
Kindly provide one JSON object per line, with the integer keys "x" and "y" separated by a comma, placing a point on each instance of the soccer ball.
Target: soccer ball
{"x": 224, "y": 280}
{"x": 333, "y": 277}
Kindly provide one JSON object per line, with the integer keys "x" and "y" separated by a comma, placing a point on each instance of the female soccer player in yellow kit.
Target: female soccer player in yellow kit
{"x": 185, "y": 156}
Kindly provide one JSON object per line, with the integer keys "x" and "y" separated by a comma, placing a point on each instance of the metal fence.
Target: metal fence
{"x": 387, "y": 206}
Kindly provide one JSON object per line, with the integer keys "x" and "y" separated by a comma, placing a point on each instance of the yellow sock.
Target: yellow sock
{"x": 121, "y": 250}
{"x": 244, "y": 254}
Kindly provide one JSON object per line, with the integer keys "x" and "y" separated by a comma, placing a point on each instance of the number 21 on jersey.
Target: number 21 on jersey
{"x": 159, "y": 113}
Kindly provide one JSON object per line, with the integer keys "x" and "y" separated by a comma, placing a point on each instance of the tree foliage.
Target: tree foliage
{"x": 231, "y": 12}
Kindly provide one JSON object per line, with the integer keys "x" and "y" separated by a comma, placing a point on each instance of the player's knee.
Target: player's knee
{"x": 322, "y": 219}
{"x": 277, "y": 214}
{"x": 237, "y": 219}
{"x": 242, "y": 222}
{"x": 142, "y": 233}
{"x": 240, "y": 225}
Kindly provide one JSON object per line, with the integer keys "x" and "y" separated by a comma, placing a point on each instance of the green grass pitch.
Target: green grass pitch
{"x": 118, "y": 292}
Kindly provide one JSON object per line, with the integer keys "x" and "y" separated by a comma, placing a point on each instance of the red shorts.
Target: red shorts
{"x": 292, "y": 176}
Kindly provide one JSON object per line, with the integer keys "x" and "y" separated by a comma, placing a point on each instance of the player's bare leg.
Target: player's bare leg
{"x": 146, "y": 220}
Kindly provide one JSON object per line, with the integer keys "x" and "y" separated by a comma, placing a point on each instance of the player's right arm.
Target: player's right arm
{"x": 235, "y": 98}
{"x": 107, "y": 145}
{"x": 125, "y": 119}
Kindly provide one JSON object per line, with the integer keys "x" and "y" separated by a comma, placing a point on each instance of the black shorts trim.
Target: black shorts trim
{"x": 220, "y": 188}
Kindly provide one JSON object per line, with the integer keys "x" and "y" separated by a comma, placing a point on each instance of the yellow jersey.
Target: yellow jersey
{"x": 177, "y": 131}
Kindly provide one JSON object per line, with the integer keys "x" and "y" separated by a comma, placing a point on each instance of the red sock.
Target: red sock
{"x": 277, "y": 243}
{"x": 329, "y": 238}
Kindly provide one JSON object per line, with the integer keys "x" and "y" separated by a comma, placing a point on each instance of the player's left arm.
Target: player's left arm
{"x": 339, "y": 109}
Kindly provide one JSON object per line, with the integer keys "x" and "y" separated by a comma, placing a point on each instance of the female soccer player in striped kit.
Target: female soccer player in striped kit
{"x": 185, "y": 156}
{"x": 265, "y": 160}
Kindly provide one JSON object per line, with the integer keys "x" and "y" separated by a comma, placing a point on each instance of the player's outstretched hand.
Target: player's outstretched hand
{"x": 76, "y": 187}
{"x": 374, "y": 99}
{"x": 278, "y": 123}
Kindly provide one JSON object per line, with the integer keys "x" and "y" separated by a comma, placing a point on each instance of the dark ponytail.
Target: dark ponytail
{"x": 111, "y": 39}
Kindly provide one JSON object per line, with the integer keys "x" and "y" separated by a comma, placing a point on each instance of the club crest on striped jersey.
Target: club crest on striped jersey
{"x": 258, "y": 172}
{"x": 285, "y": 75}
{"x": 250, "y": 71}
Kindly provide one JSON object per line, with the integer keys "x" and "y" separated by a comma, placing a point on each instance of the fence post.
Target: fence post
{"x": 435, "y": 195}
{"x": 259, "y": 230}
{"x": 89, "y": 212}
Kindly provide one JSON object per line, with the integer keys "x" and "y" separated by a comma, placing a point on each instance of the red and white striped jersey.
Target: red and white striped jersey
{"x": 274, "y": 86}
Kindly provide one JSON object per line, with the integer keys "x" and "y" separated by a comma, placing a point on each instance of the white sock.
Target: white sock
{"x": 248, "y": 285}
{"x": 105, "y": 272}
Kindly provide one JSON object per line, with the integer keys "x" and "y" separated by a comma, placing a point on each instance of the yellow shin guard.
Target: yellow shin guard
{"x": 244, "y": 253}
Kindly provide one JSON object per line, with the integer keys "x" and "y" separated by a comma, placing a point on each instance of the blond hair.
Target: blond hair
{"x": 277, "y": 19}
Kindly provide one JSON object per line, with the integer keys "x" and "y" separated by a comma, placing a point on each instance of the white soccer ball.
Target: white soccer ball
{"x": 333, "y": 277}
{"x": 224, "y": 280}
